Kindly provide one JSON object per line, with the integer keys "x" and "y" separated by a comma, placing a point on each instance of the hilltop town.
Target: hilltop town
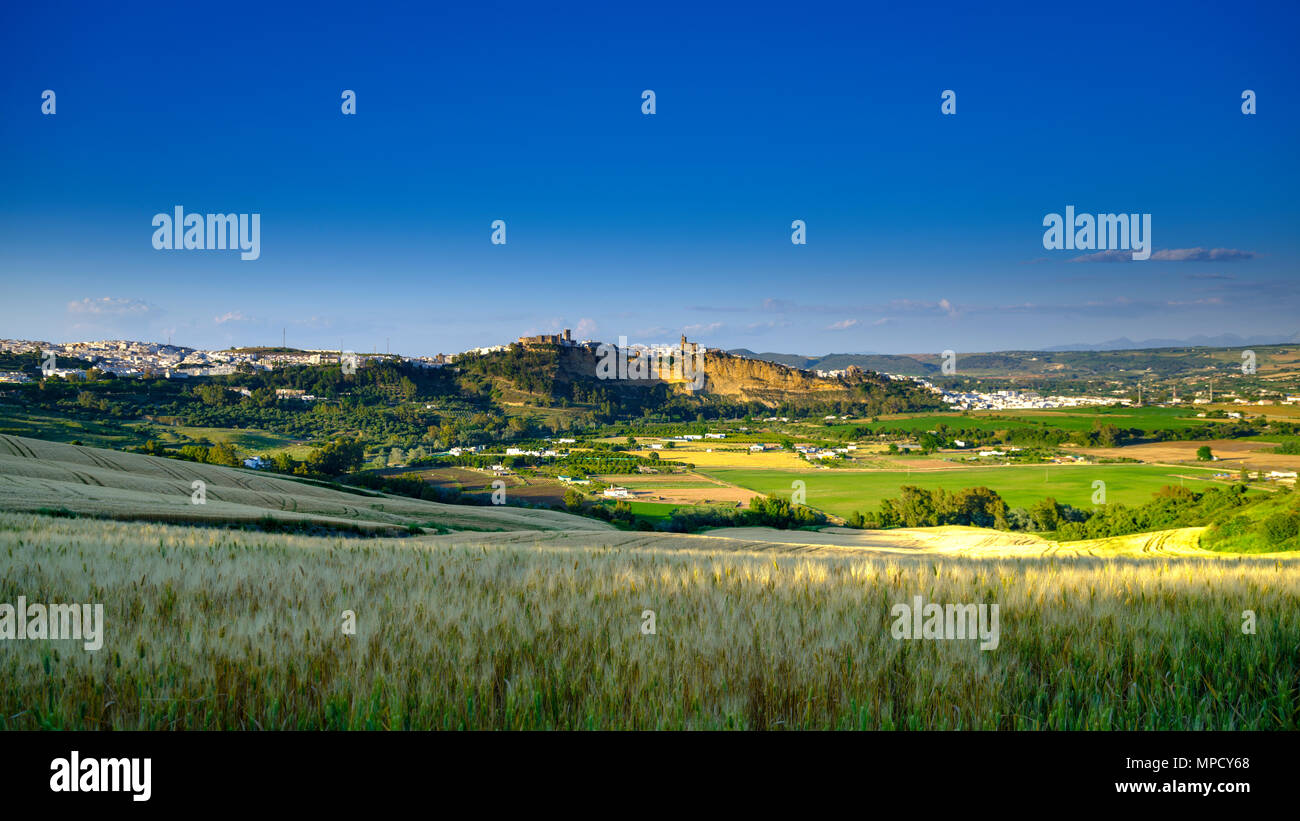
{"x": 749, "y": 377}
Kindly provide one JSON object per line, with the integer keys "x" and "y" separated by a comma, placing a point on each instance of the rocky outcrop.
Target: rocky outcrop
{"x": 753, "y": 380}
{"x": 733, "y": 377}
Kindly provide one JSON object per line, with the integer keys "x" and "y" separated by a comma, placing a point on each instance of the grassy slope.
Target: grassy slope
{"x": 1239, "y": 532}
{"x": 35, "y": 475}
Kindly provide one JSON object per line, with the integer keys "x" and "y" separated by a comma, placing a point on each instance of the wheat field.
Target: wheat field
{"x": 38, "y": 475}
{"x": 220, "y": 629}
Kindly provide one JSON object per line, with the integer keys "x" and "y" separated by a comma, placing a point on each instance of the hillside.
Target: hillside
{"x": 572, "y": 372}
{"x": 37, "y": 475}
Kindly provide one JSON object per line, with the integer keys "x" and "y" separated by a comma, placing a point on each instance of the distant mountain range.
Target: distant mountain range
{"x": 918, "y": 364}
{"x": 1220, "y": 341}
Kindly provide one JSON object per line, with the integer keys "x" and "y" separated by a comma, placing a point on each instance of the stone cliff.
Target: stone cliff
{"x": 734, "y": 377}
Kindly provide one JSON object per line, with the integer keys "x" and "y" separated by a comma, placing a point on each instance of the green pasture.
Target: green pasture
{"x": 841, "y": 492}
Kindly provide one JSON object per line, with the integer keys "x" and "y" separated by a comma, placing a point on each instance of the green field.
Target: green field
{"x": 247, "y": 441}
{"x": 105, "y": 433}
{"x": 1071, "y": 419}
{"x": 655, "y": 510}
{"x": 842, "y": 492}
{"x": 116, "y": 434}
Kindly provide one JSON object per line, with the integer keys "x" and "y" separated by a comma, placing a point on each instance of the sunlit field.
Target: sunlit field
{"x": 842, "y": 492}
{"x": 1083, "y": 418}
{"x": 210, "y": 628}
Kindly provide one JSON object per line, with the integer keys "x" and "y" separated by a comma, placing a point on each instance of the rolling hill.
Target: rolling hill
{"x": 36, "y": 475}
{"x": 1066, "y": 363}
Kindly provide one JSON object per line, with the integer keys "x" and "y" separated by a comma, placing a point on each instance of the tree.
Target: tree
{"x": 978, "y": 507}
{"x": 1281, "y": 527}
{"x": 336, "y": 457}
{"x": 1107, "y": 435}
{"x": 223, "y": 453}
{"x": 1203, "y": 454}
{"x": 518, "y": 426}
{"x": 1046, "y": 514}
{"x": 195, "y": 453}
{"x": 913, "y": 508}
{"x": 408, "y": 389}
{"x": 213, "y": 395}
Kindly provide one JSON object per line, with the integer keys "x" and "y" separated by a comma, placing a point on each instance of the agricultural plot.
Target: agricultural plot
{"x": 1230, "y": 454}
{"x": 105, "y": 433}
{"x": 660, "y": 492}
{"x": 701, "y": 457}
{"x": 1071, "y": 419}
{"x": 247, "y": 442}
{"x": 842, "y": 492}
{"x": 654, "y": 510}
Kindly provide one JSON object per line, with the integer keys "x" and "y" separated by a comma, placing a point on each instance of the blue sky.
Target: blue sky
{"x": 924, "y": 230}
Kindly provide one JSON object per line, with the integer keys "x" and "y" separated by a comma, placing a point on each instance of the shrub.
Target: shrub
{"x": 1280, "y": 527}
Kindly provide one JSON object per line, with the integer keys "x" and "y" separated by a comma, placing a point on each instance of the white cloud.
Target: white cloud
{"x": 111, "y": 306}
{"x": 1171, "y": 255}
{"x": 842, "y": 325}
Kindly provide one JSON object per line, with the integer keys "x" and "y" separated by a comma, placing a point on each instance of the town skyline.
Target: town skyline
{"x": 26, "y": 344}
